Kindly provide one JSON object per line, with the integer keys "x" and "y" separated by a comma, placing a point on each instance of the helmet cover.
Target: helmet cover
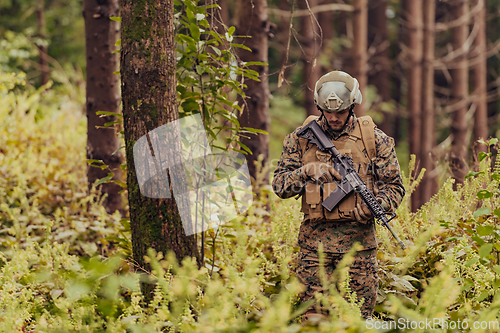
{"x": 336, "y": 91}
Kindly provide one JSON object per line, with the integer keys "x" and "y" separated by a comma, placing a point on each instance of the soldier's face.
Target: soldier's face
{"x": 337, "y": 120}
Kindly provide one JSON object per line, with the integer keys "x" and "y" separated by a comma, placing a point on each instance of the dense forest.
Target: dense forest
{"x": 100, "y": 232}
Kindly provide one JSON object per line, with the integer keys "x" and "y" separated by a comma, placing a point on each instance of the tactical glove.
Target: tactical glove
{"x": 362, "y": 213}
{"x": 321, "y": 172}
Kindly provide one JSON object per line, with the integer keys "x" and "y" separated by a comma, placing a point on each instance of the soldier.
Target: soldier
{"x": 304, "y": 170}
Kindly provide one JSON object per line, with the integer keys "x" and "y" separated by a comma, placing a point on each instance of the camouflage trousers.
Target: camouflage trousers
{"x": 362, "y": 273}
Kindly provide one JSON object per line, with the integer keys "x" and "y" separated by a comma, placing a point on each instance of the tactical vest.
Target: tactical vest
{"x": 360, "y": 139}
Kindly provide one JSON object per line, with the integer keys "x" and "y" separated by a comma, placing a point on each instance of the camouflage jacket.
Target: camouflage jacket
{"x": 338, "y": 237}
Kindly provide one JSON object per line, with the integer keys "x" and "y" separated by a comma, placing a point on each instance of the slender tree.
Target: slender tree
{"x": 398, "y": 75}
{"x": 326, "y": 21}
{"x": 224, "y": 11}
{"x": 253, "y": 22}
{"x": 379, "y": 64}
{"x": 148, "y": 67}
{"x": 459, "y": 89}
{"x": 310, "y": 43}
{"x": 103, "y": 94}
{"x": 284, "y": 36}
{"x": 479, "y": 77}
{"x": 429, "y": 182}
{"x": 360, "y": 48}
{"x": 413, "y": 22}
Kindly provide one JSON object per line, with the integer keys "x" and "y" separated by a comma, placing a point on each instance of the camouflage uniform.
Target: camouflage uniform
{"x": 338, "y": 237}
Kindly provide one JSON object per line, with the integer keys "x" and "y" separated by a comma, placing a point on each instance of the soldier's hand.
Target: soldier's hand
{"x": 321, "y": 172}
{"x": 362, "y": 213}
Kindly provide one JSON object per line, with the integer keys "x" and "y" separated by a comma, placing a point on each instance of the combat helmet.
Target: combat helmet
{"x": 336, "y": 91}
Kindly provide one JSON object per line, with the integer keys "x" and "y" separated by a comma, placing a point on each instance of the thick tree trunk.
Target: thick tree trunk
{"x": 311, "y": 43}
{"x": 459, "y": 91}
{"x": 413, "y": 20}
{"x": 429, "y": 182}
{"x": 360, "y": 48}
{"x": 379, "y": 64}
{"x": 148, "y": 68}
{"x": 103, "y": 94}
{"x": 479, "y": 77}
{"x": 253, "y": 21}
{"x": 42, "y": 48}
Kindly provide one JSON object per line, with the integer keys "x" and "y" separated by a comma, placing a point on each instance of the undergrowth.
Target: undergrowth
{"x": 61, "y": 271}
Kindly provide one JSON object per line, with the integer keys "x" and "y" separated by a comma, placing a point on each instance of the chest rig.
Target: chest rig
{"x": 360, "y": 145}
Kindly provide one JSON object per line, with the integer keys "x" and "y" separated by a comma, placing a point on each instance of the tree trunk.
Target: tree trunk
{"x": 103, "y": 94}
{"x": 326, "y": 21}
{"x": 360, "y": 48}
{"x": 428, "y": 184}
{"x": 413, "y": 19}
{"x": 224, "y": 11}
{"x": 379, "y": 74}
{"x": 148, "y": 68}
{"x": 311, "y": 43}
{"x": 345, "y": 60}
{"x": 253, "y": 21}
{"x": 217, "y": 16}
{"x": 399, "y": 76}
{"x": 284, "y": 36}
{"x": 479, "y": 78}
{"x": 459, "y": 90}
{"x": 42, "y": 48}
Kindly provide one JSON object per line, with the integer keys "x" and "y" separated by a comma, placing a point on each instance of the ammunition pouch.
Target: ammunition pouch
{"x": 360, "y": 145}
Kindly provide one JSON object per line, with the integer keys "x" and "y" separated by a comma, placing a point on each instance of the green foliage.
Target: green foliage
{"x": 450, "y": 270}
{"x": 43, "y": 185}
{"x": 19, "y": 35}
{"x": 207, "y": 75}
{"x": 456, "y": 239}
{"x": 251, "y": 287}
{"x": 16, "y": 49}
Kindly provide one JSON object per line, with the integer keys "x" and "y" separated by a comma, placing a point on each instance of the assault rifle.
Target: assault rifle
{"x": 351, "y": 181}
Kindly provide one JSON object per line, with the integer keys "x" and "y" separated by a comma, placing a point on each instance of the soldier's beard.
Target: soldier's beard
{"x": 337, "y": 126}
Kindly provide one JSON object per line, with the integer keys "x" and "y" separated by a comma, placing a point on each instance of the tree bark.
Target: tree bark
{"x": 429, "y": 182}
{"x": 326, "y": 21}
{"x": 413, "y": 20}
{"x": 398, "y": 76}
{"x": 311, "y": 43}
{"x": 148, "y": 68}
{"x": 253, "y": 21}
{"x": 103, "y": 94}
{"x": 360, "y": 48}
{"x": 284, "y": 35}
{"x": 42, "y": 48}
{"x": 459, "y": 91}
{"x": 224, "y": 11}
{"x": 379, "y": 64}
{"x": 479, "y": 78}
